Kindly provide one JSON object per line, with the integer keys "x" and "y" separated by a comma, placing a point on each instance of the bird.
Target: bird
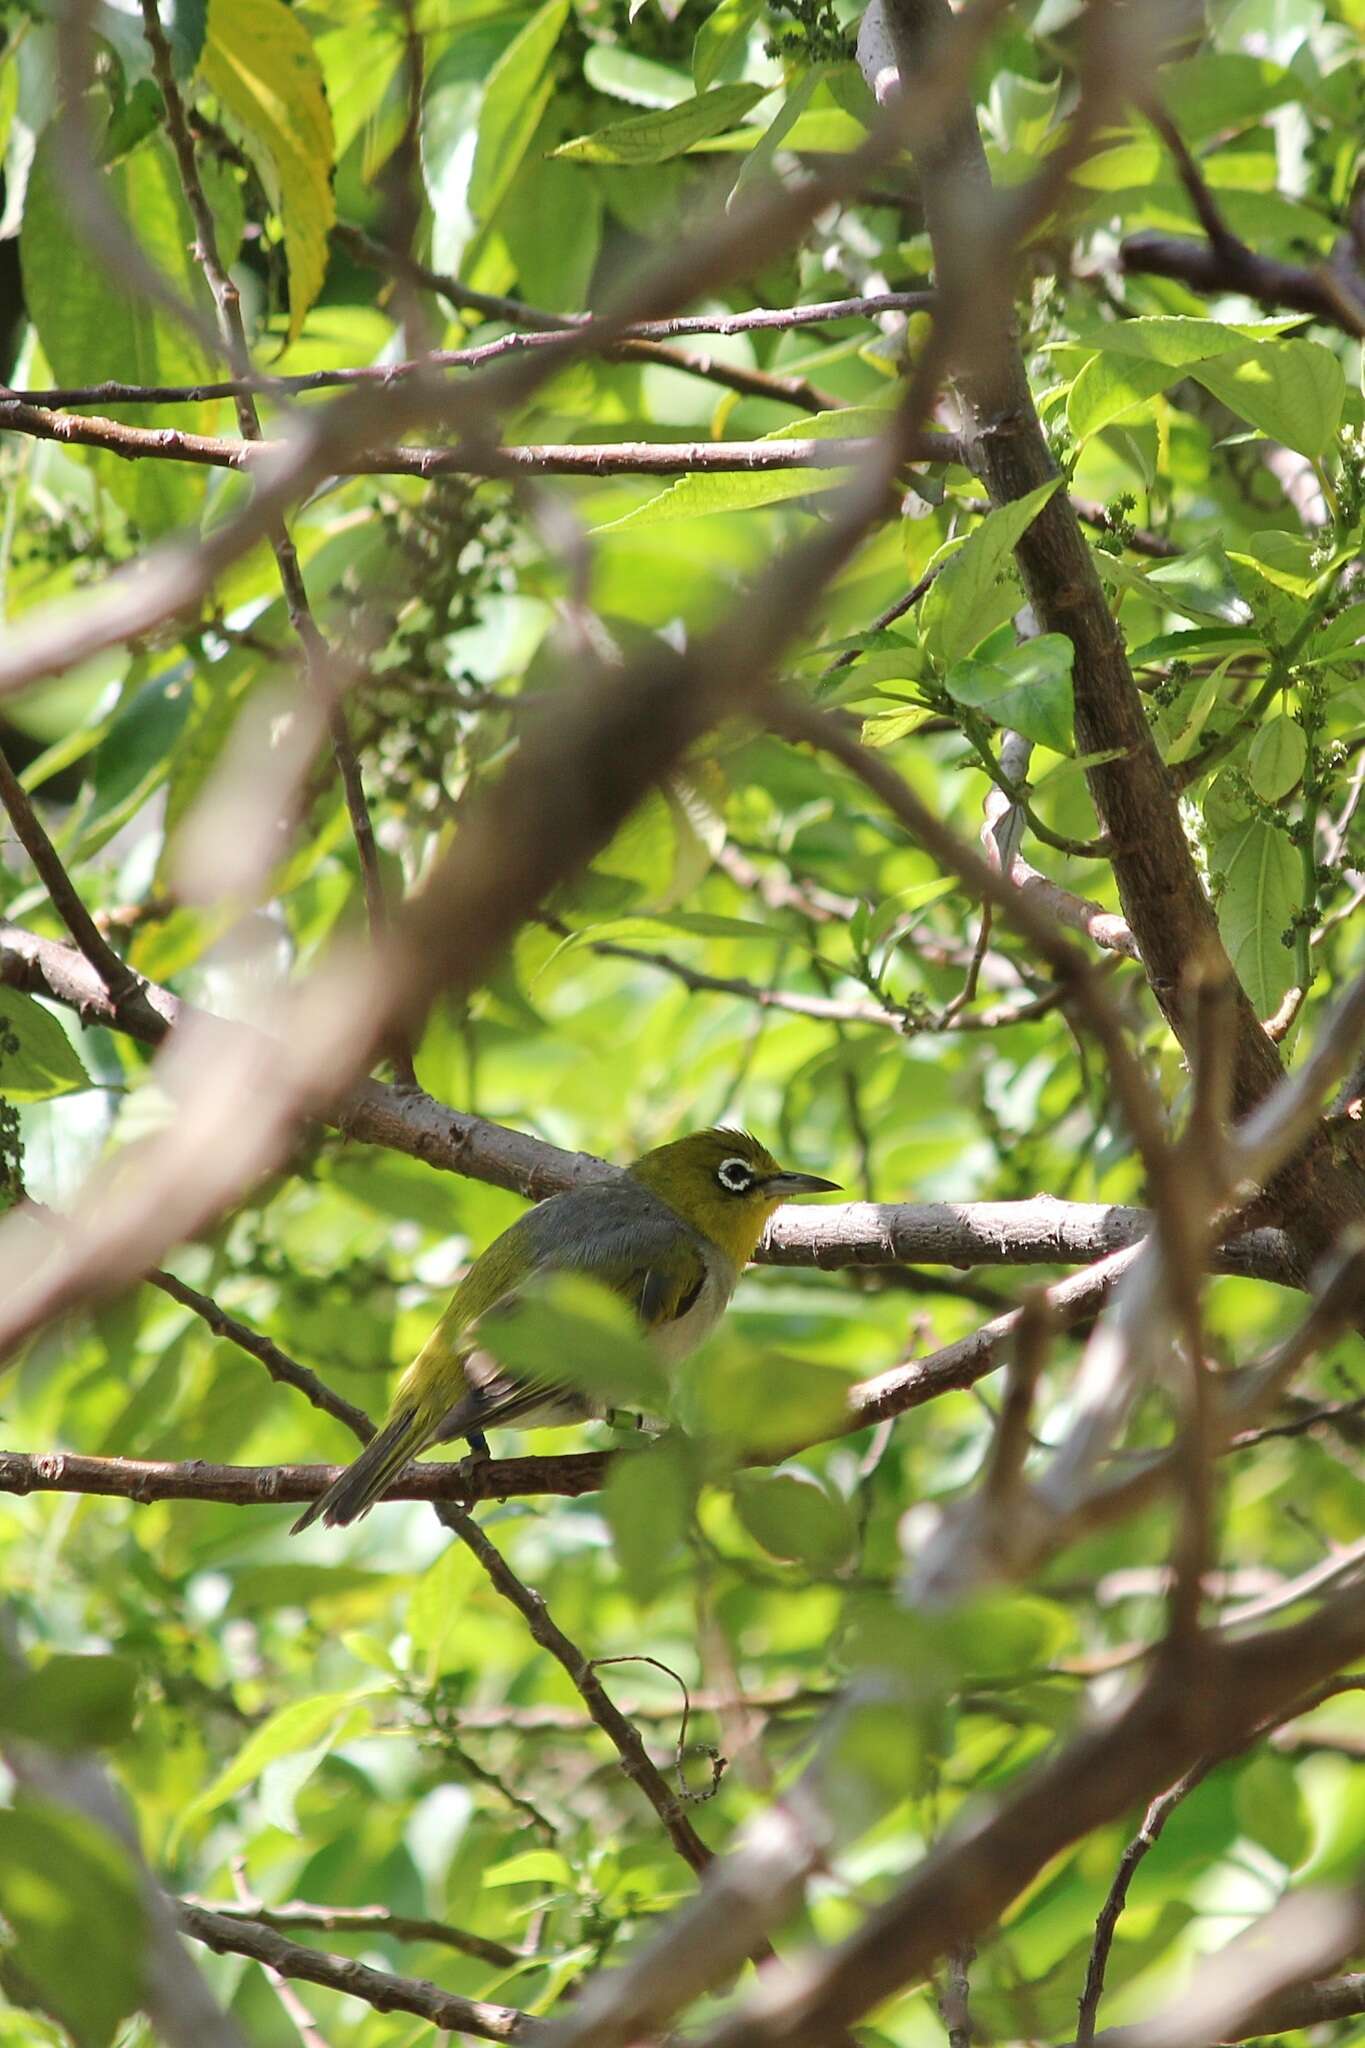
{"x": 670, "y": 1234}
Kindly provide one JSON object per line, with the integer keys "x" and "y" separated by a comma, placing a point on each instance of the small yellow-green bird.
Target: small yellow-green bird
{"x": 671, "y": 1235}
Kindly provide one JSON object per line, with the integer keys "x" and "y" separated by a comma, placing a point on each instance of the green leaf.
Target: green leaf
{"x": 647, "y": 1501}
{"x": 311, "y": 1725}
{"x": 1259, "y": 897}
{"x": 1176, "y": 340}
{"x": 640, "y": 80}
{"x": 1272, "y": 1809}
{"x": 721, "y": 43}
{"x": 514, "y": 98}
{"x": 260, "y": 61}
{"x": 769, "y": 1401}
{"x": 73, "y": 1903}
{"x": 1218, "y": 90}
{"x": 656, "y": 137}
{"x": 1110, "y": 386}
{"x": 700, "y": 495}
{"x": 139, "y": 749}
{"x": 1277, "y": 758}
{"x": 1180, "y": 727}
{"x": 1028, "y": 688}
{"x": 591, "y": 1334}
{"x": 531, "y": 1866}
{"x": 952, "y": 608}
{"x": 1189, "y": 645}
{"x": 92, "y": 328}
{"x": 793, "y": 1516}
{"x": 37, "y": 1059}
{"x": 1286, "y": 560}
{"x": 1293, "y": 391}
{"x": 1198, "y": 585}
{"x": 758, "y": 165}
{"x": 1226, "y": 806}
{"x": 551, "y": 220}
{"x": 72, "y": 1702}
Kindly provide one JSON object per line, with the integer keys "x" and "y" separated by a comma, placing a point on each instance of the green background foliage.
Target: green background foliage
{"x": 357, "y": 1718}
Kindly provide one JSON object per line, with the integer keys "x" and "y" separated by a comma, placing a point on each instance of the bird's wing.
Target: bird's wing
{"x": 638, "y": 1248}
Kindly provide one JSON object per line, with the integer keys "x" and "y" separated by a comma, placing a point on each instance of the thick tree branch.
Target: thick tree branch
{"x": 147, "y": 1479}
{"x": 1038, "y": 1232}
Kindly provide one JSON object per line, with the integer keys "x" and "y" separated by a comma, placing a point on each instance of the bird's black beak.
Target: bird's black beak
{"x": 784, "y": 1184}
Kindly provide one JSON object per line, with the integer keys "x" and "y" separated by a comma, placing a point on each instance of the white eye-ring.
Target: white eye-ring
{"x": 735, "y": 1175}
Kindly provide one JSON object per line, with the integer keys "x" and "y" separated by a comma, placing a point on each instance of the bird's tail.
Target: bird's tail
{"x": 361, "y": 1484}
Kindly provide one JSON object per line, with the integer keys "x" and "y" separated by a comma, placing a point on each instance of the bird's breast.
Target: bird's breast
{"x": 678, "y": 1339}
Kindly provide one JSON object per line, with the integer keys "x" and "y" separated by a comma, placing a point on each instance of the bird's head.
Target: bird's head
{"x": 725, "y": 1184}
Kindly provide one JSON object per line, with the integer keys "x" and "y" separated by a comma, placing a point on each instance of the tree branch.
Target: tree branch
{"x": 225, "y": 1934}
{"x": 1163, "y": 900}
{"x": 364, "y": 1920}
{"x": 148, "y": 1479}
{"x": 618, "y": 458}
{"x": 582, "y": 1672}
{"x": 1042, "y": 1231}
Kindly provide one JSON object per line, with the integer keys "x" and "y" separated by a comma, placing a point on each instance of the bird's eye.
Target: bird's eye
{"x": 736, "y": 1176}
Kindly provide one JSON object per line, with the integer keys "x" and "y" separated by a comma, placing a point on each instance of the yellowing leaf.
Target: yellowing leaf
{"x": 260, "y": 61}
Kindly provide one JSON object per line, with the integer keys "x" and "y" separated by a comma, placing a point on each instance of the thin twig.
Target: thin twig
{"x": 371, "y": 1920}
{"x": 116, "y": 975}
{"x": 280, "y": 1366}
{"x": 624, "y": 1738}
{"x": 1147, "y": 1836}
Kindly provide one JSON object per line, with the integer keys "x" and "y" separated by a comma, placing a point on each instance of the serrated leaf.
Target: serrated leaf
{"x": 655, "y": 138}
{"x": 951, "y": 609}
{"x": 37, "y": 1059}
{"x": 1277, "y": 758}
{"x": 1028, "y": 689}
{"x": 260, "y": 61}
{"x": 1259, "y": 897}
